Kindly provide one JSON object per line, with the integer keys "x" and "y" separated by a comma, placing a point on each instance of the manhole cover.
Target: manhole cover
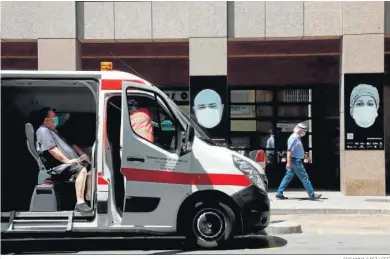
{"x": 378, "y": 200}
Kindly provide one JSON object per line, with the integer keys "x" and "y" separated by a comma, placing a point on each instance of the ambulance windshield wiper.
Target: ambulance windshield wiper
{"x": 208, "y": 140}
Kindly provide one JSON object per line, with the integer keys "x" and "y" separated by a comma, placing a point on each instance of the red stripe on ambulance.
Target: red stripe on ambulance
{"x": 108, "y": 84}
{"x": 156, "y": 176}
{"x": 102, "y": 180}
{"x": 111, "y": 84}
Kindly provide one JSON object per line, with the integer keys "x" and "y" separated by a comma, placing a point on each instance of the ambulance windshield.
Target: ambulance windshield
{"x": 198, "y": 131}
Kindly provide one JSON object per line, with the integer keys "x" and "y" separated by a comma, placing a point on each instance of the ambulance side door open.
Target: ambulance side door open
{"x": 153, "y": 190}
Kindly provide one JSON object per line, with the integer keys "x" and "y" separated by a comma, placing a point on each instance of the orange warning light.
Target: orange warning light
{"x": 106, "y": 66}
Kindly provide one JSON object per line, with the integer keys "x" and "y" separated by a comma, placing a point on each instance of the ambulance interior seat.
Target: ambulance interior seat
{"x": 46, "y": 195}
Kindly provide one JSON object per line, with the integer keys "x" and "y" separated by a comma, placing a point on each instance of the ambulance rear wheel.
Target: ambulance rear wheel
{"x": 211, "y": 225}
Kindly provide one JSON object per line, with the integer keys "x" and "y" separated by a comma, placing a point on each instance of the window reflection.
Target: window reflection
{"x": 294, "y": 95}
{"x": 264, "y": 110}
{"x": 291, "y": 107}
{"x": 243, "y": 125}
{"x": 293, "y": 111}
{"x": 264, "y": 126}
{"x": 242, "y": 111}
{"x": 185, "y": 109}
{"x": 240, "y": 142}
{"x": 242, "y": 96}
{"x": 264, "y": 96}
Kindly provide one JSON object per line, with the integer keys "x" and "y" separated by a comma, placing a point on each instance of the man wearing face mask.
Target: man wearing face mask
{"x": 208, "y": 108}
{"x": 364, "y": 105}
{"x": 295, "y": 155}
{"x": 141, "y": 120}
{"x": 58, "y": 155}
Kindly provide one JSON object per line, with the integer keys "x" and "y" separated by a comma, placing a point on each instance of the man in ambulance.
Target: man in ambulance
{"x": 141, "y": 120}
{"x": 62, "y": 157}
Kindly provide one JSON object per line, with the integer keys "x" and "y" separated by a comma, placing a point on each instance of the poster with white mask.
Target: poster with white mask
{"x": 208, "y": 108}
{"x": 363, "y": 116}
{"x": 208, "y": 95}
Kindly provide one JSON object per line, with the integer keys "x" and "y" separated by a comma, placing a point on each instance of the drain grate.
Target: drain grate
{"x": 378, "y": 200}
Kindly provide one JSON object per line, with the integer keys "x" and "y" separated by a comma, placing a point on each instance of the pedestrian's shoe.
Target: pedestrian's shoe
{"x": 281, "y": 197}
{"x": 88, "y": 203}
{"x": 315, "y": 197}
{"x": 82, "y": 207}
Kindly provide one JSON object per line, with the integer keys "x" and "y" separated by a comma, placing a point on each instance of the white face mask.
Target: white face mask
{"x": 208, "y": 118}
{"x": 296, "y": 130}
{"x": 364, "y": 116}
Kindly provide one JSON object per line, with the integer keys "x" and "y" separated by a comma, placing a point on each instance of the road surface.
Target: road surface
{"x": 322, "y": 234}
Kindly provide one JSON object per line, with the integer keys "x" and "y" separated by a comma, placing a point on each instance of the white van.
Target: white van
{"x": 182, "y": 184}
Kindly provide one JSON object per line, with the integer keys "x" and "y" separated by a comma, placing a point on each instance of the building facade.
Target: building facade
{"x": 273, "y": 63}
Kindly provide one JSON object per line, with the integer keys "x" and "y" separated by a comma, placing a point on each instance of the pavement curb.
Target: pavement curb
{"x": 283, "y": 227}
{"x": 328, "y": 211}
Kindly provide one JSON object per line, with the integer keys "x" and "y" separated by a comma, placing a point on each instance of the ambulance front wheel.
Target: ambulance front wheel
{"x": 211, "y": 225}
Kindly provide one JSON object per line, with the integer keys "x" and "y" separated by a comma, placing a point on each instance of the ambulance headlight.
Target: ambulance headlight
{"x": 250, "y": 172}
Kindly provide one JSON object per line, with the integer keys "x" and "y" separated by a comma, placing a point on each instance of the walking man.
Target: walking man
{"x": 295, "y": 156}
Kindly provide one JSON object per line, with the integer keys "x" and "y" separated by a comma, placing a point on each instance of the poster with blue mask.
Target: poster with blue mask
{"x": 363, "y": 111}
{"x": 209, "y": 106}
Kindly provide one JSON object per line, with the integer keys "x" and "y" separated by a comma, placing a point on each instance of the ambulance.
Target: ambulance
{"x": 181, "y": 184}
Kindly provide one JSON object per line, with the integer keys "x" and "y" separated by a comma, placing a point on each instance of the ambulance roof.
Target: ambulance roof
{"x": 30, "y": 74}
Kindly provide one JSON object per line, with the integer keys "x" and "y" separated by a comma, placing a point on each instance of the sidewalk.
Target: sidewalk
{"x": 329, "y": 203}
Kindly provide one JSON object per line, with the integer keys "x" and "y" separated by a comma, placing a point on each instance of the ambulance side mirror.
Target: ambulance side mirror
{"x": 186, "y": 140}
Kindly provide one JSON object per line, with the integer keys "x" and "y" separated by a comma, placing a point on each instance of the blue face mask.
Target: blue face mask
{"x": 61, "y": 119}
{"x": 55, "y": 121}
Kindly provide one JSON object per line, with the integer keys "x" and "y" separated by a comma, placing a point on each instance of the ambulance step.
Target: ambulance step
{"x": 41, "y": 221}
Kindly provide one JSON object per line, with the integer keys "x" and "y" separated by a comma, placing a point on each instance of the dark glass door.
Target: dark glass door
{"x": 257, "y": 110}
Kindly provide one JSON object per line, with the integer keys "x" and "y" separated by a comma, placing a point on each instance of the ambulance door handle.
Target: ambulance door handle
{"x": 135, "y": 159}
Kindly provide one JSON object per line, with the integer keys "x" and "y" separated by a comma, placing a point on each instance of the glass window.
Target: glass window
{"x": 242, "y": 111}
{"x": 243, "y": 125}
{"x": 185, "y": 109}
{"x": 249, "y": 141}
{"x": 281, "y": 139}
{"x": 240, "y": 142}
{"x": 242, "y": 96}
{"x": 294, "y": 95}
{"x": 264, "y": 126}
{"x": 264, "y": 96}
{"x": 289, "y": 125}
{"x": 284, "y": 128}
{"x": 293, "y": 110}
{"x": 152, "y": 121}
{"x": 260, "y": 142}
{"x": 264, "y": 110}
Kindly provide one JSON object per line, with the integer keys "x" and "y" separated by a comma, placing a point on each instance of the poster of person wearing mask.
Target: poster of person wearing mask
{"x": 208, "y": 101}
{"x": 363, "y": 111}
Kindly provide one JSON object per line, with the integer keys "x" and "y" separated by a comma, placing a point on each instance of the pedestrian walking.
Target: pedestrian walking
{"x": 295, "y": 156}
{"x": 270, "y": 148}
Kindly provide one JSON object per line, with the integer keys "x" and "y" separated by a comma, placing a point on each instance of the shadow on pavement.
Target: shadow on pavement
{"x": 159, "y": 246}
{"x": 307, "y": 199}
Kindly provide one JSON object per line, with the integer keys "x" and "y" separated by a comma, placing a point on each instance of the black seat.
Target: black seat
{"x": 44, "y": 197}
{"x": 49, "y": 189}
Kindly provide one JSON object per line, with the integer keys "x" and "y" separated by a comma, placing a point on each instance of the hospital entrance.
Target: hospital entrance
{"x": 258, "y": 112}
{"x": 386, "y": 103}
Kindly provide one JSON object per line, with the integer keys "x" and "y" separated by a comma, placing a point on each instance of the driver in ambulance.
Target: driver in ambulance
{"x": 141, "y": 120}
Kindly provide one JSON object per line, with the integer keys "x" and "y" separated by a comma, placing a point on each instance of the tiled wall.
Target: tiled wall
{"x": 88, "y": 21}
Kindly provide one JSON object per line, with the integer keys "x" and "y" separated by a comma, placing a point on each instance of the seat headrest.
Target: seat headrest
{"x": 29, "y": 130}
{"x": 30, "y": 135}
